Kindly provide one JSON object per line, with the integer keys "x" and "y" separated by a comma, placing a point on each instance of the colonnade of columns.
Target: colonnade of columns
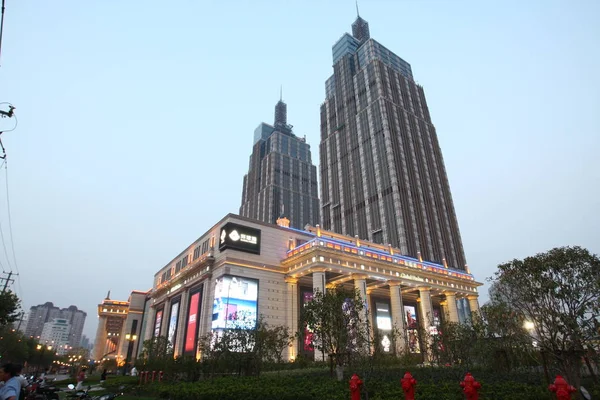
{"x": 448, "y": 305}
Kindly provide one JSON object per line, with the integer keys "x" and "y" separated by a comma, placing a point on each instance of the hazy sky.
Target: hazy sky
{"x": 136, "y": 121}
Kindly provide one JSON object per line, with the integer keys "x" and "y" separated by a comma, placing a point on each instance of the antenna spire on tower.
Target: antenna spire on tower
{"x": 281, "y": 93}
{"x": 357, "y": 13}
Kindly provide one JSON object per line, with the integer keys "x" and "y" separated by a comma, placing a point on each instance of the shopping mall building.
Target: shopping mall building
{"x": 242, "y": 269}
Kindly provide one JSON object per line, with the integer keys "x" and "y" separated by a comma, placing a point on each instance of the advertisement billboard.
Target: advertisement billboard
{"x": 173, "y": 318}
{"x": 236, "y": 303}
{"x": 157, "y": 323}
{"x": 308, "y": 335}
{"x": 437, "y": 320}
{"x": 411, "y": 323}
{"x": 192, "y": 323}
{"x": 383, "y": 316}
{"x": 239, "y": 237}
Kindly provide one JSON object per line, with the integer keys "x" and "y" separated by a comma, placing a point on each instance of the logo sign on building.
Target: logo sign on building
{"x": 239, "y": 237}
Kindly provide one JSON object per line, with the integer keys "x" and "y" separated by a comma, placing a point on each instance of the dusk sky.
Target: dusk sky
{"x": 136, "y": 120}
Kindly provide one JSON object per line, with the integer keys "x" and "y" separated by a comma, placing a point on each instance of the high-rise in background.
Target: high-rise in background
{"x": 45, "y": 316}
{"x": 383, "y": 177}
{"x": 281, "y": 178}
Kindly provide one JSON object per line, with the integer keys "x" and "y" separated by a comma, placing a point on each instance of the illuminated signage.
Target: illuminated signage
{"x": 410, "y": 314}
{"x": 239, "y": 237}
{"x": 307, "y": 297}
{"x": 411, "y": 277}
{"x": 235, "y": 304}
{"x": 383, "y": 316}
{"x": 192, "y": 323}
{"x": 173, "y": 317}
{"x": 157, "y": 323}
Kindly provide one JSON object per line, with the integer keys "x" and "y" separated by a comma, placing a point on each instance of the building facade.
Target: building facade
{"x": 41, "y": 314}
{"x": 119, "y": 328}
{"x": 383, "y": 177}
{"x": 241, "y": 269}
{"x": 57, "y": 335}
{"x": 281, "y": 177}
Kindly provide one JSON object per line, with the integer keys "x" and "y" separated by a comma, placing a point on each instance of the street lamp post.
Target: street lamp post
{"x": 131, "y": 338}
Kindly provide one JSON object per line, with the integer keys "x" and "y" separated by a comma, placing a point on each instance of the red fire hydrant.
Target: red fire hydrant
{"x": 470, "y": 387}
{"x": 408, "y": 385}
{"x": 562, "y": 389}
{"x": 355, "y": 384}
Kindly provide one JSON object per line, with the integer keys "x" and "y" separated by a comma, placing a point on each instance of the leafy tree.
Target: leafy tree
{"x": 337, "y": 320}
{"x": 276, "y": 340}
{"x": 559, "y": 293}
{"x": 157, "y": 348}
{"x": 13, "y": 346}
{"x": 245, "y": 350}
{"x": 9, "y": 306}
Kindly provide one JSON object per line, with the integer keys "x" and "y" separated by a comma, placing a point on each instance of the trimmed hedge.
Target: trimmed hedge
{"x": 324, "y": 388}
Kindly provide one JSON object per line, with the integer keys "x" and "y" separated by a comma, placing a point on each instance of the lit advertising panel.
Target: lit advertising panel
{"x": 308, "y": 334}
{"x": 192, "y": 323}
{"x": 383, "y": 316}
{"x": 236, "y": 303}
{"x": 173, "y": 317}
{"x": 157, "y": 323}
{"x": 410, "y": 319}
{"x": 437, "y": 320}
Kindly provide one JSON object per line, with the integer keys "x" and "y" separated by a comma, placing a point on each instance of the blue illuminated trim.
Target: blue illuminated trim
{"x": 404, "y": 258}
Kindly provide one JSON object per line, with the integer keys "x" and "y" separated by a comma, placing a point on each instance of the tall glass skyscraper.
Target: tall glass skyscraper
{"x": 382, "y": 172}
{"x": 281, "y": 178}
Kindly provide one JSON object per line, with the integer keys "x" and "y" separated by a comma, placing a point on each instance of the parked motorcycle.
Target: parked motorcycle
{"x": 80, "y": 394}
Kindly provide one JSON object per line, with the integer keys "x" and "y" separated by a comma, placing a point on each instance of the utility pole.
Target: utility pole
{"x": 7, "y": 280}
{"x": 20, "y": 321}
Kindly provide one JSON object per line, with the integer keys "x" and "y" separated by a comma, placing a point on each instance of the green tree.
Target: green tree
{"x": 338, "y": 322}
{"x": 9, "y": 307}
{"x": 558, "y": 292}
{"x": 157, "y": 348}
{"x": 13, "y": 346}
{"x": 243, "y": 351}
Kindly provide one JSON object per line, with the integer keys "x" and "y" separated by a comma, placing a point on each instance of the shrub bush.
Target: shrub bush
{"x": 297, "y": 387}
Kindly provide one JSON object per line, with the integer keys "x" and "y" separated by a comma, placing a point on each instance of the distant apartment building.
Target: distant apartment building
{"x": 41, "y": 314}
{"x": 85, "y": 343}
{"x": 57, "y": 334}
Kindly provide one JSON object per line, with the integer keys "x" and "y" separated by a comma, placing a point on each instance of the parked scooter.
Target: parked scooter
{"x": 109, "y": 396}
{"x": 41, "y": 389}
{"x": 80, "y": 394}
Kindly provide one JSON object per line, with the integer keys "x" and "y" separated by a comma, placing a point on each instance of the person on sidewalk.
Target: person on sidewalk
{"x": 80, "y": 379}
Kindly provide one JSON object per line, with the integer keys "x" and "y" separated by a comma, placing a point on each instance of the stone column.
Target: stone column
{"x": 205, "y": 311}
{"x": 473, "y": 303}
{"x": 181, "y": 323}
{"x": 371, "y": 316}
{"x": 425, "y": 307}
{"x": 360, "y": 284}
{"x": 292, "y": 316}
{"x": 164, "y": 324}
{"x": 100, "y": 343}
{"x": 319, "y": 282}
{"x": 318, "y": 275}
{"x": 426, "y": 318}
{"x": 149, "y": 332}
{"x": 398, "y": 317}
{"x": 451, "y": 309}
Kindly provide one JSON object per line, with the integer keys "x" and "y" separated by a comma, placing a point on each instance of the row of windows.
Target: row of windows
{"x": 184, "y": 262}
